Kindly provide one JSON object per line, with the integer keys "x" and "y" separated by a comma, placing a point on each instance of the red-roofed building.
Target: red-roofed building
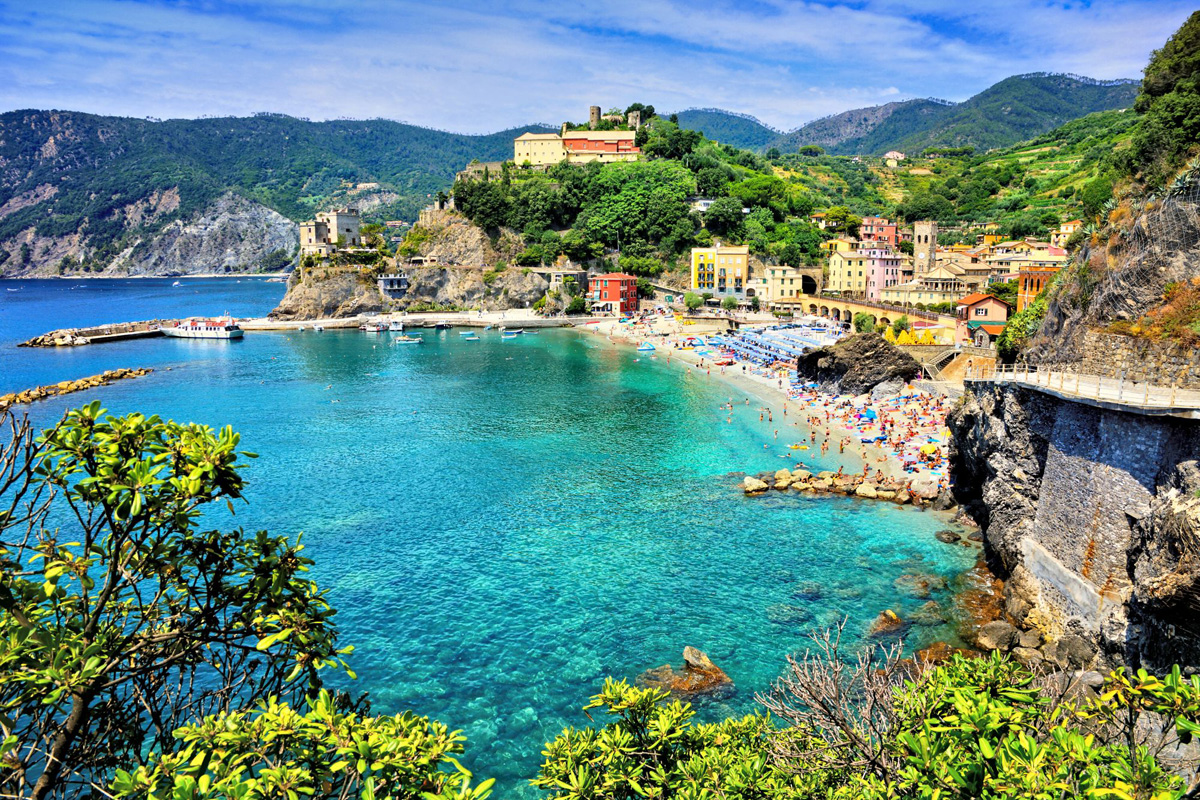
{"x": 614, "y": 292}
{"x": 981, "y": 317}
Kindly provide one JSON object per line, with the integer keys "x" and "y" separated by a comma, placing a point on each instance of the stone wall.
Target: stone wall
{"x": 1092, "y": 516}
{"x": 1160, "y": 363}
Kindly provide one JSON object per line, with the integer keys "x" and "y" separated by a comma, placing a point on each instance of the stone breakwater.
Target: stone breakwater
{"x": 922, "y": 490}
{"x": 72, "y": 337}
{"x": 67, "y": 387}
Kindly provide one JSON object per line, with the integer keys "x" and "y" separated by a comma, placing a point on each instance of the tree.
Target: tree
{"x": 577, "y": 306}
{"x": 328, "y": 751}
{"x": 755, "y": 304}
{"x": 901, "y": 324}
{"x": 131, "y": 620}
{"x": 644, "y": 288}
{"x": 724, "y": 217}
{"x": 729, "y": 303}
{"x": 863, "y": 322}
{"x": 1169, "y": 102}
{"x": 811, "y": 150}
{"x": 1005, "y": 291}
{"x": 692, "y": 301}
{"x": 1095, "y": 193}
{"x": 841, "y": 219}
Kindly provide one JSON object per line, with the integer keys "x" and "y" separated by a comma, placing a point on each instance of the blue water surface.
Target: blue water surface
{"x": 502, "y": 524}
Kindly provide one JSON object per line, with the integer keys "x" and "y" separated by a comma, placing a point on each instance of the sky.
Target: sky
{"x": 486, "y": 65}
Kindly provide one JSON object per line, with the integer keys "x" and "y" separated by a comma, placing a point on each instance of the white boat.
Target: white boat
{"x": 441, "y": 325}
{"x": 408, "y": 340}
{"x": 467, "y": 332}
{"x": 375, "y": 327}
{"x": 508, "y": 336}
{"x": 197, "y": 328}
{"x": 396, "y": 327}
{"x": 318, "y": 327}
{"x": 177, "y": 283}
{"x": 471, "y": 338}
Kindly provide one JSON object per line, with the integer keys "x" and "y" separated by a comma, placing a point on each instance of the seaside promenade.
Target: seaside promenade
{"x": 1116, "y": 394}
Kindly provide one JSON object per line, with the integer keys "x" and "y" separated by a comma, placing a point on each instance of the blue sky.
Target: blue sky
{"x": 486, "y": 65}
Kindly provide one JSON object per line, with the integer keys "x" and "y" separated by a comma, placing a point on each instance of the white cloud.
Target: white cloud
{"x": 480, "y": 67}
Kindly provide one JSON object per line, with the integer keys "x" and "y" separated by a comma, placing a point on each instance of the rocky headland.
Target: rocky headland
{"x": 858, "y": 364}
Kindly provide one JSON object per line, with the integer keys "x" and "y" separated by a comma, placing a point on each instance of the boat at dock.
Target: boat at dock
{"x": 197, "y": 328}
{"x": 374, "y": 327}
{"x": 318, "y": 327}
{"x": 442, "y": 325}
{"x": 396, "y": 326}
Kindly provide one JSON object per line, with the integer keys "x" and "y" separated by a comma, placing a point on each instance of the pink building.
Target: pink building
{"x": 883, "y": 269}
{"x": 879, "y": 230}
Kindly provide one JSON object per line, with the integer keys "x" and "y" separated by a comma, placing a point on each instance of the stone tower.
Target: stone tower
{"x": 634, "y": 119}
{"x": 924, "y": 247}
{"x": 593, "y": 117}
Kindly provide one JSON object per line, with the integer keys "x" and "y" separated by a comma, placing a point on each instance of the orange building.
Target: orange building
{"x": 1031, "y": 281}
{"x": 614, "y": 292}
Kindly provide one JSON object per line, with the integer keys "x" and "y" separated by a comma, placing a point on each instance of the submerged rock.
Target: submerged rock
{"x": 887, "y": 622}
{"x": 939, "y": 652}
{"x": 787, "y": 614}
{"x": 753, "y": 485}
{"x": 947, "y": 536}
{"x": 699, "y": 676}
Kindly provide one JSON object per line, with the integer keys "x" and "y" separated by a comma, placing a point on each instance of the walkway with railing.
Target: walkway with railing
{"x": 1116, "y": 393}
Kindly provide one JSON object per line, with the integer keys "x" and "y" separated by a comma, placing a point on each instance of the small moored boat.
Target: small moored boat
{"x": 441, "y": 325}
{"x": 195, "y": 328}
{"x": 374, "y": 327}
{"x": 471, "y": 338}
{"x": 408, "y": 340}
{"x": 396, "y": 326}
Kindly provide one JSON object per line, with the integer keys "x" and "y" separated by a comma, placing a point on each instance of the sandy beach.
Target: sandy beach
{"x": 902, "y": 424}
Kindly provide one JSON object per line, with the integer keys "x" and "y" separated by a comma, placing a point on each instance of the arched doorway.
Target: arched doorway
{"x": 812, "y": 309}
{"x": 808, "y": 285}
{"x": 885, "y": 321}
{"x": 824, "y": 311}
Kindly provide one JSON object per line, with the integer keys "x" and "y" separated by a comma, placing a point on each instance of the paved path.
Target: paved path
{"x": 1114, "y": 393}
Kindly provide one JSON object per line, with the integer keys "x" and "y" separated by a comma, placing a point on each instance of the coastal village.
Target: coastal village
{"x": 922, "y": 476}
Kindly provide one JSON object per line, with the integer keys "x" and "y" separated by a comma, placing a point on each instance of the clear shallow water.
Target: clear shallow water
{"x": 503, "y": 524}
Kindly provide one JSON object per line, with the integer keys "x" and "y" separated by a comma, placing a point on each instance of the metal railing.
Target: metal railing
{"x": 1137, "y": 394}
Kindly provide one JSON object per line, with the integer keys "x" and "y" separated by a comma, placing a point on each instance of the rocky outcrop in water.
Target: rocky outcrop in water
{"x": 857, "y": 365}
{"x": 699, "y": 676}
{"x": 1092, "y": 517}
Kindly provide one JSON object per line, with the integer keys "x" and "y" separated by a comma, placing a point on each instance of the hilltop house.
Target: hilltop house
{"x": 329, "y": 231}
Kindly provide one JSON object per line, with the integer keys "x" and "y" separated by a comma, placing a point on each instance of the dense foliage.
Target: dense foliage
{"x": 639, "y": 208}
{"x": 971, "y": 728}
{"x": 1170, "y": 107}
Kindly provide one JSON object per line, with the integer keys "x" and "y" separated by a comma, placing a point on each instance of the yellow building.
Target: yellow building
{"x": 539, "y": 149}
{"x": 848, "y": 272}
{"x": 577, "y": 147}
{"x": 782, "y": 282}
{"x": 721, "y": 269}
{"x": 839, "y": 245}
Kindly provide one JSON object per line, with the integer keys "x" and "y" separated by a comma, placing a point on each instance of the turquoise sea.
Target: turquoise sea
{"x": 503, "y": 524}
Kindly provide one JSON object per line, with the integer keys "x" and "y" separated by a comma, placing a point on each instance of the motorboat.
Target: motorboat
{"x": 196, "y": 328}
{"x": 471, "y": 338}
{"x": 442, "y": 325}
{"x": 508, "y": 335}
{"x": 409, "y": 340}
{"x": 467, "y": 332}
{"x": 374, "y": 327}
{"x": 318, "y": 327}
{"x": 396, "y": 326}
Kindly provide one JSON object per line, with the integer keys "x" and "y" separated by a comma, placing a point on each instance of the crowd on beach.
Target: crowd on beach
{"x": 901, "y": 435}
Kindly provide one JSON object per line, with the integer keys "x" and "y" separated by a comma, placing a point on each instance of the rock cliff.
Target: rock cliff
{"x": 329, "y": 292}
{"x": 230, "y": 235}
{"x": 858, "y": 364}
{"x": 1092, "y": 517}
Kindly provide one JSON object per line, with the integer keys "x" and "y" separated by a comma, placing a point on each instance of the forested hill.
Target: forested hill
{"x": 116, "y": 181}
{"x": 1011, "y": 111}
{"x": 727, "y": 127}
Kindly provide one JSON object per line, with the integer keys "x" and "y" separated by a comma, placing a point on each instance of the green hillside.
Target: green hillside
{"x": 97, "y": 168}
{"x": 1011, "y": 111}
{"x": 727, "y": 127}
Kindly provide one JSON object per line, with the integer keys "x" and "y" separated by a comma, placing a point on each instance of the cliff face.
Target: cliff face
{"x": 229, "y": 235}
{"x": 325, "y": 293}
{"x": 1122, "y": 276}
{"x": 1092, "y": 516}
{"x": 467, "y": 288}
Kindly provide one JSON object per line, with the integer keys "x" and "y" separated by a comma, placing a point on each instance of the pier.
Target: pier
{"x": 98, "y": 334}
